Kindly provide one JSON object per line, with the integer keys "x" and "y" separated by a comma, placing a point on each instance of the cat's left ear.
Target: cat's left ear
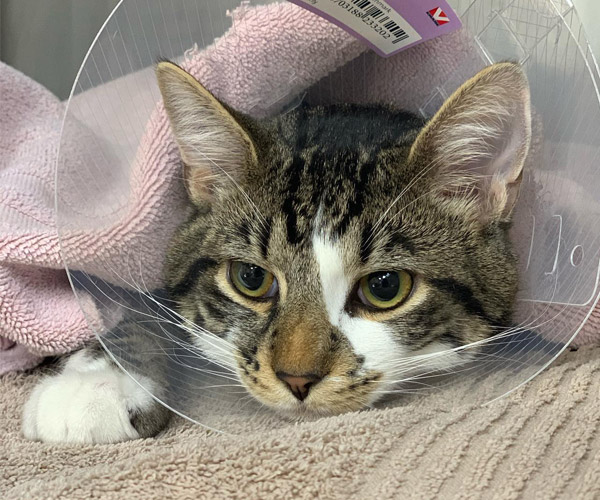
{"x": 214, "y": 146}
{"x": 477, "y": 143}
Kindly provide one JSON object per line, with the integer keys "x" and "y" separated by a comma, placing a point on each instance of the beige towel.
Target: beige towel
{"x": 541, "y": 442}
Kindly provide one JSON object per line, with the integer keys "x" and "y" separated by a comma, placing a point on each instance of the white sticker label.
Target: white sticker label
{"x": 387, "y": 26}
{"x": 373, "y": 20}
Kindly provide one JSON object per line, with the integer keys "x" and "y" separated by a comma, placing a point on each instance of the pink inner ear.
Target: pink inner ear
{"x": 196, "y": 182}
{"x": 511, "y": 147}
{"x": 212, "y": 144}
{"x": 495, "y": 173}
{"x": 480, "y": 140}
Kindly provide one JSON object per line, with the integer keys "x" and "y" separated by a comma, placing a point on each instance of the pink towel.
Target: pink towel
{"x": 38, "y": 311}
{"x": 272, "y": 54}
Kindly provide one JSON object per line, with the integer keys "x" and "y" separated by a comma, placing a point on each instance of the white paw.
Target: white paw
{"x": 89, "y": 402}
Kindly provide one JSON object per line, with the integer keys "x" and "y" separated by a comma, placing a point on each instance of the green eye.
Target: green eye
{"x": 252, "y": 280}
{"x": 385, "y": 289}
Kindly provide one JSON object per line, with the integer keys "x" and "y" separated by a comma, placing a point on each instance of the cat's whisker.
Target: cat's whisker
{"x": 210, "y": 373}
{"x": 227, "y": 386}
{"x": 523, "y": 327}
{"x": 423, "y": 360}
{"x": 112, "y": 300}
{"x": 176, "y": 362}
{"x": 227, "y": 374}
{"x": 377, "y": 230}
{"x": 413, "y": 375}
{"x": 187, "y": 325}
{"x": 195, "y": 352}
{"x": 161, "y": 321}
{"x": 416, "y": 371}
{"x": 415, "y": 381}
{"x": 402, "y": 209}
{"x": 224, "y": 373}
{"x": 496, "y": 339}
{"x": 417, "y": 363}
{"x": 168, "y": 337}
{"x": 214, "y": 341}
{"x": 248, "y": 400}
{"x": 402, "y": 391}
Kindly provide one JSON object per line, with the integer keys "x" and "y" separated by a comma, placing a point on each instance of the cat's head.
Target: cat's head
{"x": 336, "y": 251}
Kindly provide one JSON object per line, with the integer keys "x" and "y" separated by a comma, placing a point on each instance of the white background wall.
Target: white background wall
{"x": 47, "y": 39}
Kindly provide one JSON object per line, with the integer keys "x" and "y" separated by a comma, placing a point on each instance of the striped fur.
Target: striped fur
{"x": 338, "y": 192}
{"x": 321, "y": 197}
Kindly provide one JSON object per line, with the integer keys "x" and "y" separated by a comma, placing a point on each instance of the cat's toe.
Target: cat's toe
{"x": 92, "y": 406}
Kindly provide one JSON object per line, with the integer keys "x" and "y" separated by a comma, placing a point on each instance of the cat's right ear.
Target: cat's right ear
{"x": 476, "y": 144}
{"x": 214, "y": 147}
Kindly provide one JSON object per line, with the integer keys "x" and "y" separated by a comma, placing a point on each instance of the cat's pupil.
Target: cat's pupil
{"x": 251, "y": 276}
{"x": 384, "y": 285}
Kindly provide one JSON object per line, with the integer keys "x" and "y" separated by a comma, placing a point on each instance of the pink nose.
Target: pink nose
{"x": 299, "y": 385}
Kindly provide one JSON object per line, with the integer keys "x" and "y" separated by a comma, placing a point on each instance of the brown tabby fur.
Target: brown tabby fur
{"x": 338, "y": 171}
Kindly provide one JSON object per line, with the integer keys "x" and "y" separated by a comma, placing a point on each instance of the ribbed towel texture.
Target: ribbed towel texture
{"x": 541, "y": 442}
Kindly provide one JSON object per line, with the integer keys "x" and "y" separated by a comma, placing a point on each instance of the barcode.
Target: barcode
{"x": 376, "y": 13}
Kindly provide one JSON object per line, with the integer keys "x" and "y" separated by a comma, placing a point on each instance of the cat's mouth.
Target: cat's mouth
{"x": 311, "y": 396}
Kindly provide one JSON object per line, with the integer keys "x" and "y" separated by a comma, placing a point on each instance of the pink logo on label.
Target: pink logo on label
{"x": 438, "y": 16}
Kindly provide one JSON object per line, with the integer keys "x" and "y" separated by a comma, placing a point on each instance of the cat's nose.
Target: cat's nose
{"x": 299, "y": 384}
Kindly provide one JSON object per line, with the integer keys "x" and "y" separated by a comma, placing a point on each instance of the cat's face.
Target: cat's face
{"x": 338, "y": 251}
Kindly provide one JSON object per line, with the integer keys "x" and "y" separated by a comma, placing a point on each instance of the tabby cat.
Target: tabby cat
{"x": 326, "y": 246}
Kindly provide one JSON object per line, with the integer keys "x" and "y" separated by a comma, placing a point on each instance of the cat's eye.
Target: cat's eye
{"x": 384, "y": 289}
{"x": 252, "y": 281}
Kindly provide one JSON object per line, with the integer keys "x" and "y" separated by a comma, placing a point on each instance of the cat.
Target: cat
{"x": 326, "y": 246}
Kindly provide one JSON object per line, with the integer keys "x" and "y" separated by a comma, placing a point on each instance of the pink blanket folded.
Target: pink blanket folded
{"x": 272, "y": 54}
{"x": 38, "y": 311}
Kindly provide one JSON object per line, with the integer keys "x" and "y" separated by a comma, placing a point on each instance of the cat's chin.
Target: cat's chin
{"x": 303, "y": 413}
{"x": 324, "y": 401}
{"x": 307, "y": 410}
